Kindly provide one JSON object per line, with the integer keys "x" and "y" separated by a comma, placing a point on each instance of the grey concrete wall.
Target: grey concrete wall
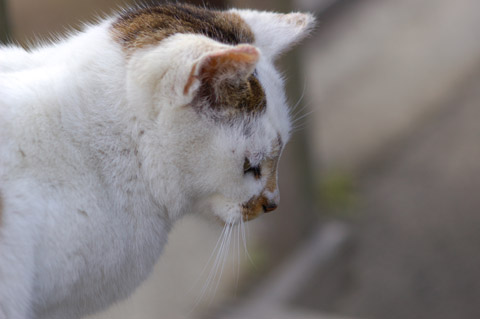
{"x": 381, "y": 68}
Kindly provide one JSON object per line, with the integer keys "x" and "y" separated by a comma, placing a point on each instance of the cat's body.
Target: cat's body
{"x": 109, "y": 137}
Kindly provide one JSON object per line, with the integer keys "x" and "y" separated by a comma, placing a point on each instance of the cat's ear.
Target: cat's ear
{"x": 225, "y": 65}
{"x": 276, "y": 32}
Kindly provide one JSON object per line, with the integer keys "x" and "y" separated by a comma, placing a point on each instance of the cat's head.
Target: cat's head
{"x": 215, "y": 103}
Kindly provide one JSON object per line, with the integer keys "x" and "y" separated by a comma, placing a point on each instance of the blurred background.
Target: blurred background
{"x": 380, "y": 212}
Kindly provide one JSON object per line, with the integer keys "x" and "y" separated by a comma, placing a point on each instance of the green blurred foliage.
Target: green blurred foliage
{"x": 337, "y": 193}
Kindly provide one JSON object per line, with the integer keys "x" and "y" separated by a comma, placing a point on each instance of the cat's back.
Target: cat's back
{"x": 14, "y": 58}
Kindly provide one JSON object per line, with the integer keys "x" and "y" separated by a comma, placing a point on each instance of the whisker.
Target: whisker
{"x": 207, "y": 282}
{"x": 238, "y": 258}
{"x": 209, "y": 258}
{"x": 213, "y": 270}
{"x": 221, "y": 251}
{"x": 219, "y": 256}
{"x": 302, "y": 117}
{"x": 301, "y": 96}
{"x": 300, "y": 111}
{"x": 300, "y": 126}
{"x": 242, "y": 223}
{"x": 225, "y": 255}
{"x": 235, "y": 261}
{"x": 296, "y": 130}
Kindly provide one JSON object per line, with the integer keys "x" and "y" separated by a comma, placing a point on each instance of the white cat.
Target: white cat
{"x": 110, "y": 136}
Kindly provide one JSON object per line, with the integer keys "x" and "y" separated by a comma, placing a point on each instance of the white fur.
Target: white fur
{"x": 99, "y": 157}
{"x": 275, "y": 32}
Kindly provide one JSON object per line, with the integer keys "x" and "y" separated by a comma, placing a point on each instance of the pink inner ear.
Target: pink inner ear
{"x": 240, "y": 54}
{"x": 239, "y": 60}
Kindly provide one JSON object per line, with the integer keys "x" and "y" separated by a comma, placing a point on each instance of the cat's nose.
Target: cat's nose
{"x": 269, "y": 206}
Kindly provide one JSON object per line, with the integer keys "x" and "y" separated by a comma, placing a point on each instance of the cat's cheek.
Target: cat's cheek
{"x": 227, "y": 211}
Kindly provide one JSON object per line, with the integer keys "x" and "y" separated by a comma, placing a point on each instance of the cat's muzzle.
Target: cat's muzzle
{"x": 256, "y": 206}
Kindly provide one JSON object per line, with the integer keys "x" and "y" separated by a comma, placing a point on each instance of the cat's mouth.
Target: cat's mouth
{"x": 256, "y": 206}
{"x": 229, "y": 212}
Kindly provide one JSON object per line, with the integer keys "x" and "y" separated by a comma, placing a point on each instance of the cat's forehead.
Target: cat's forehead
{"x": 138, "y": 28}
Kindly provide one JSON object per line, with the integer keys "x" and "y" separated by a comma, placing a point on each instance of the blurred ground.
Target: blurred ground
{"x": 416, "y": 240}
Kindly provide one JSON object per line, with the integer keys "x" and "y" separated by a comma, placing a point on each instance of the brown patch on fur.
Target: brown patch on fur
{"x": 143, "y": 27}
{"x": 260, "y": 204}
{"x": 231, "y": 99}
{"x": 254, "y": 207}
{"x": 258, "y": 100}
{"x": 21, "y": 152}
{"x": 148, "y": 26}
{"x": 271, "y": 165}
{"x": 227, "y": 87}
{"x": 84, "y": 213}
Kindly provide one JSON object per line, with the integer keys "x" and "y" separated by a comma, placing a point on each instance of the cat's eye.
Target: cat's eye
{"x": 249, "y": 168}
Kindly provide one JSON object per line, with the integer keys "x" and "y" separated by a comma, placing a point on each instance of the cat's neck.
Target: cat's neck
{"x": 77, "y": 97}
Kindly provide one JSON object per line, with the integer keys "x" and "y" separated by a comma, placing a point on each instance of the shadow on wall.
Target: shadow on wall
{"x": 4, "y": 23}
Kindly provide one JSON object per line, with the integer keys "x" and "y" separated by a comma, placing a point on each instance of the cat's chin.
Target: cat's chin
{"x": 225, "y": 211}
{"x": 229, "y": 214}
{"x": 220, "y": 210}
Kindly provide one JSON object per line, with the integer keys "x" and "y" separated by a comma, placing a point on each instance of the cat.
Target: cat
{"x": 111, "y": 135}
